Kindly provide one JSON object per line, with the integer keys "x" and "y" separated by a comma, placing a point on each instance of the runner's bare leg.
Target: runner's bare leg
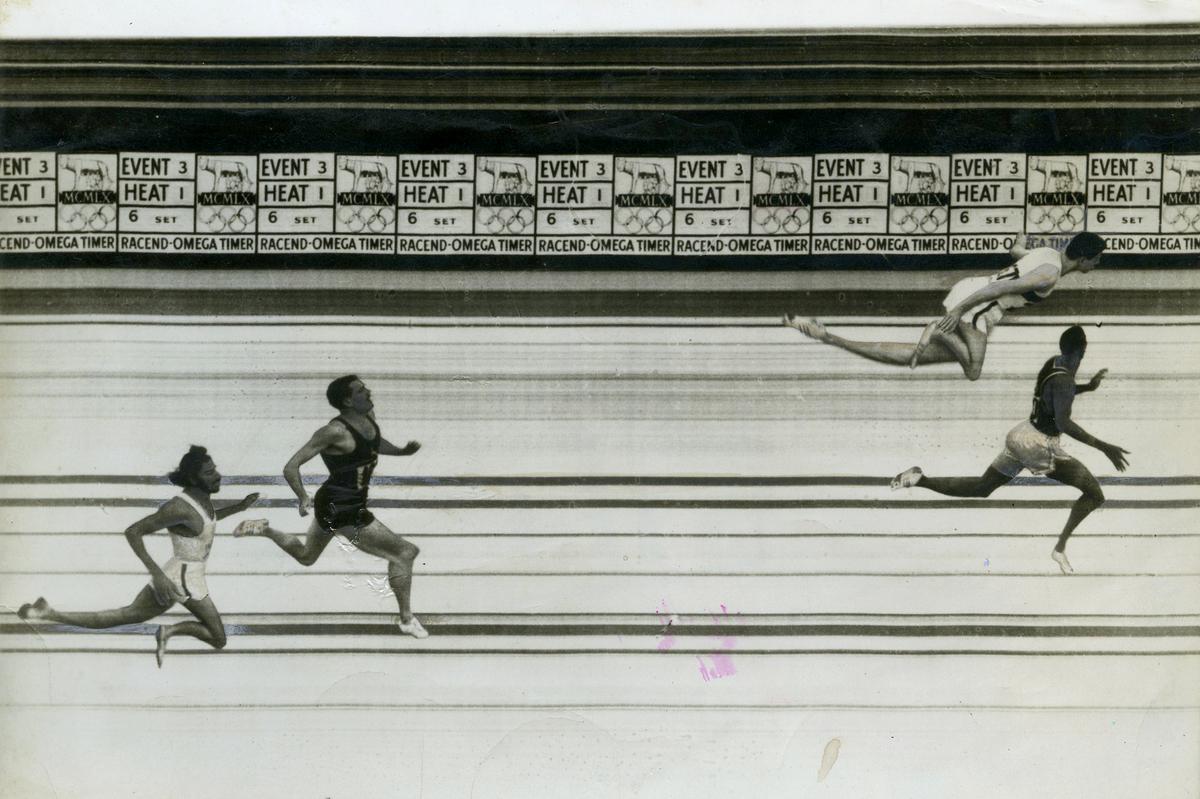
{"x": 210, "y": 629}
{"x": 967, "y": 345}
{"x": 304, "y": 548}
{"x": 889, "y": 352}
{"x": 376, "y": 539}
{"x": 981, "y": 486}
{"x": 145, "y": 606}
{"x": 1073, "y": 473}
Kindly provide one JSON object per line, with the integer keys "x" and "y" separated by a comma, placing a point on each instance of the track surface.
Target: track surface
{"x": 659, "y": 557}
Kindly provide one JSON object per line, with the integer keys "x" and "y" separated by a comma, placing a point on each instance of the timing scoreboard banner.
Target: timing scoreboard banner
{"x": 830, "y": 150}
{"x": 597, "y": 204}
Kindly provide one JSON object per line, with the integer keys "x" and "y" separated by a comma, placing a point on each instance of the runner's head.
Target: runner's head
{"x": 1072, "y": 344}
{"x": 197, "y": 470}
{"x": 349, "y": 393}
{"x": 1085, "y": 250}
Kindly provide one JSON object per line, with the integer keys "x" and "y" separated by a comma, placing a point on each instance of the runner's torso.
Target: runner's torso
{"x": 195, "y": 548}
{"x": 352, "y": 472}
{"x": 1042, "y": 415}
{"x": 1041, "y": 256}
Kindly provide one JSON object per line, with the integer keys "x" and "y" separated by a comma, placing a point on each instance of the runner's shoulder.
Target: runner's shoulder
{"x": 334, "y": 433}
{"x": 1046, "y": 267}
{"x": 332, "y": 430}
{"x": 1060, "y": 379}
{"x": 179, "y": 513}
{"x": 1043, "y": 256}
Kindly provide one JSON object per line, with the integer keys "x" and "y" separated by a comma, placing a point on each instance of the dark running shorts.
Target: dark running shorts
{"x": 339, "y": 508}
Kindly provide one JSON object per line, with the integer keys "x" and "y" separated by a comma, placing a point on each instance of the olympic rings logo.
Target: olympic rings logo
{"x": 505, "y": 221}
{"x": 87, "y": 217}
{"x": 917, "y": 219}
{"x": 1062, "y": 218}
{"x": 1183, "y": 219}
{"x": 226, "y": 218}
{"x": 368, "y": 218}
{"x": 782, "y": 221}
{"x": 643, "y": 221}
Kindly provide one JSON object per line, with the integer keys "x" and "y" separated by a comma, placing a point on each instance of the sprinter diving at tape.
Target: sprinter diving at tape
{"x": 974, "y": 306}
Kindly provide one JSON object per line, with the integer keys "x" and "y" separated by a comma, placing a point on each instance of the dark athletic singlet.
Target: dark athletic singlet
{"x": 1042, "y": 416}
{"x": 342, "y": 500}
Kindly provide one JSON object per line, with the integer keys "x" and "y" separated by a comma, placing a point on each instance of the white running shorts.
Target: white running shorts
{"x": 188, "y": 576}
{"x": 982, "y": 317}
{"x": 1025, "y": 447}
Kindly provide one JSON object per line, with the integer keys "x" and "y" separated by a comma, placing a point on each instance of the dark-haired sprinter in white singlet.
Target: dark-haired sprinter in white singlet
{"x": 191, "y": 521}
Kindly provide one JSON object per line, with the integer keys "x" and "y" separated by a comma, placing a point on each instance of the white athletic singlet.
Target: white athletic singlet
{"x": 195, "y": 548}
{"x": 188, "y": 568}
{"x": 1042, "y": 256}
{"x": 987, "y": 315}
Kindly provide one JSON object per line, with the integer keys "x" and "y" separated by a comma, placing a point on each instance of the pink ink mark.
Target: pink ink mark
{"x": 728, "y": 641}
{"x": 720, "y": 663}
{"x": 720, "y": 666}
{"x": 725, "y": 616}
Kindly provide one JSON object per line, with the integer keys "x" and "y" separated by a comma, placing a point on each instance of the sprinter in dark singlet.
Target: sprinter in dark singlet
{"x": 350, "y": 445}
{"x": 1034, "y": 444}
{"x": 342, "y": 500}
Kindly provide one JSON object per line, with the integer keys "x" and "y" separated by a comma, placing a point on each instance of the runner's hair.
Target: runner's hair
{"x": 339, "y": 390}
{"x": 189, "y": 467}
{"x": 1085, "y": 245}
{"x": 1072, "y": 340}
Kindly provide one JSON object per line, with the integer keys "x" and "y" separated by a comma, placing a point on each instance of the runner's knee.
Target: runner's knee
{"x": 308, "y": 556}
{"x": 973, "y": 371}
{"x": 219, "y": 639}
{"x": 1094, "y": 493}
{"x": 989, "y": 481}
{"x": 402, "y": 553}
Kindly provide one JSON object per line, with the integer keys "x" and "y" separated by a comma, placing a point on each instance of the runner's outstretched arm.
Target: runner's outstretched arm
{"x": 388, "y": 448}
{"x": 237, "y": 507}
{"x": 1093, "y": 384}
{"x": 1061, "y": 395}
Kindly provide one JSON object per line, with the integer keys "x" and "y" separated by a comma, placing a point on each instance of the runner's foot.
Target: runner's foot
{"x": 907, "y": 479}
{"x": 35, "y": 611}
{"x": 809, "y": 327}
{"x": 1061, "y": 559}
{"x": 412, "y": 627}
{"x": 250, "y": 527}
